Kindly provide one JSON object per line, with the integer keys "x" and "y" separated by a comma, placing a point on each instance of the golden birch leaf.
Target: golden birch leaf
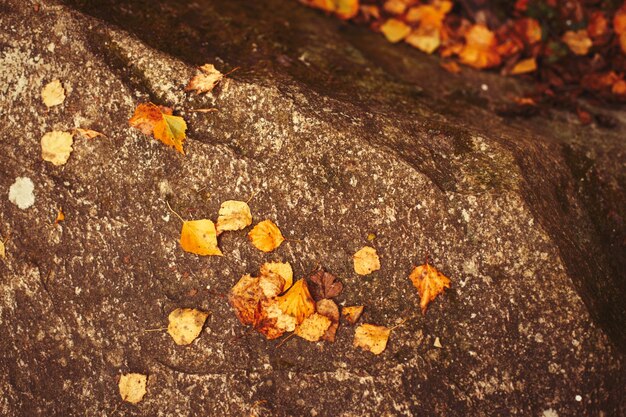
{"x": 266, "y": 236}
{"x": 366, "y": 261}
{"x": 233, "y": 215}
{"x": 313, "y": 327}
{"x": 185, "y": 324}
{"x": 200, "y": 237}
{"x": 132, "y": 387}
{"x": 429, "y": 283}
{"x": 281, "y": 268}
{"x": 297, "y": 302}
{"x": 56, "y": 147}
{"x": 371, "y": 337}
{"x": 53, "y": 94}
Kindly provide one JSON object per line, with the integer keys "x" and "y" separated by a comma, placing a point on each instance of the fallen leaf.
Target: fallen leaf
{"x": 366, "y": 261}
{"x": 426, "y": 39}
{"x": 60, "y": 216}
{"x": 598, "y": 25}
{"x": 395, "y": 30}
{"x": 371, "y": 236}
{"x": 56, "y": 147}
{"x": 325, "y": 285}
{"x": 266, "y": 236}
{"x": 297, "y": 302}
{"x": 529, "y": 29}
{"x": 451, "y": 66}
{"x": 396, "y": 7}
{"x": 622, "y": 42}
{"x": 159, "y": 122}
{"x": 346, "y": 9}
{"x": 281, "y": 268}
{"x": 53, "y": 94}
{"x": 3, "y": 251}
{"x": 578, "y": 41}
{"x": 271, "y": 284}
{"x": 429, "y": 283}
{"x": 619, "y": 88}
{"x": 352, "y": 313}
{"x": 437, "y": 343}
{"x": 185, "y": 324}
{"x": 199, "y": 237}
{"x": 88, "y": 133}
{"x": 313, "y": 327}
{"x": 205, "y": 79}
{"x": 524, "y": 66}
{"x": 371, "y": 337}
{"x": 132, "y": 387}
{"x": 328, "y": 308}
{"x": 480, "y": 48}
{"x": 245, "y": 297}
{"x": 21, "y": 193}
{"x": 273, "y": 322}
{"x": 619, "y": 20}
{"x": 233, "y": 215}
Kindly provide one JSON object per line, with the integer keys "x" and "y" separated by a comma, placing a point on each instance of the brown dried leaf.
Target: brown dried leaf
{"x": 325, "y": 285}
{"x": 329, "y": 309}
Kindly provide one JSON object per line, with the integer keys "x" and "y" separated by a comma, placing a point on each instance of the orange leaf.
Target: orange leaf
{"x": 429, "y": 283}
{"x": 524, "y": 66}
{"x": 297, "y": 302}
{"x": 60, "y": 216}
{"x": 480, "y": 48}
{"x": 158, "y": 121}
{"x": 266, "y": 236}
{"x": 619, "y": 21}
{"x": 199, "y": 237}
{"x": 352, "y": 313}
{"x": 578, "y": 41}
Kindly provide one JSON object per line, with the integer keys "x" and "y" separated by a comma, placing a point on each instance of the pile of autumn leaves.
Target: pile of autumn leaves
{"x": 519, "y": 45}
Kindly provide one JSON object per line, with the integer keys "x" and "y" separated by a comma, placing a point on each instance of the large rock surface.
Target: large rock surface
{"x": 336, "y": 134}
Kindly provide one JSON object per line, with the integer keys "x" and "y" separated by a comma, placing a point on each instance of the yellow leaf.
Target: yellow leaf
{"x": 366, "y": 261}
{"x": 132, "y": 387}
{"x": 60, "y": 216}
{"x": 56, "y": 147}
{"x": 266, "y": 236}
{"x": 199, "y": 237}
{"x": 313, "y": 327}
{"x": 185, "y": 324}
{"x": 371, "y": 337}
{"x": 480, "y": 46}
{"x": 395, "y": 30}
{"x": 429, "y": 283}
{"x": 205, "y": 80}
{"x": 271, "y": 284}
{"x": 158, "y": 121}
{"x": 53, "y": 94}
{"x": 277, "y": 322}
{"x": 328, "y": 308}
{"x": 578, "y": 41}
{"x": 297, "y": 302}
{"x": 524, "y": 66}
{"x": 233, "y": 215}
{"x": 88, "y": 133}
{"x": 426, "y": 39}
{"x": 352, "y": 313}
{"x": 281, "y": 268}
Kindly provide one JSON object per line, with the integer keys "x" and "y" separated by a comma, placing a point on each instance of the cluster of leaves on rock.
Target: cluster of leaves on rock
{"x": 271, "y": 302}
{"x": 570, "y": 46}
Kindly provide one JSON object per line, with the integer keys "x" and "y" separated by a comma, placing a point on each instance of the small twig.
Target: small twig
{"x": 284, "y": 340}
{"x": 213, "y": 109}
{"x": 252, "y": 196}
{"x": 172, "y": 210}
{"x": 231, "y": 71}
{"x": 160, "y": 329}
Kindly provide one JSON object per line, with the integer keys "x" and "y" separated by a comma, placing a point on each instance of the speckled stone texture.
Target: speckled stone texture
{"x": 336, "y": 135}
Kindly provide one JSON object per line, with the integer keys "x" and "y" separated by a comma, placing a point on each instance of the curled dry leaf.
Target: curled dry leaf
{"x": 578, "y": 41}
{"x": 233, "y": 215}
{"x": 53, "y": 94}
{"x": 56, "y": 147}
{"x": 297, "y": 302}
{"x": 88, "y": 133}
{"x": 313, "y": 327}
{"x": 329, "y": 309}
{"x": 185, "y": 324}
{"x": 395, "y": 30}
{"x": 266, "y": 236}
{"x": 352, "y": 313}
{"x": 429, "y": 283}
{"x": 199, "y": 237}
{"x": 205, "y": 79}
{"x": 371, "y": 337}
{"x": 159, "y": 122}
{"x": 281, "y": 268}
{"x": 325, "y": 285}
{"x": 366, "y": 261}
{"x": 132, "y": 387}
